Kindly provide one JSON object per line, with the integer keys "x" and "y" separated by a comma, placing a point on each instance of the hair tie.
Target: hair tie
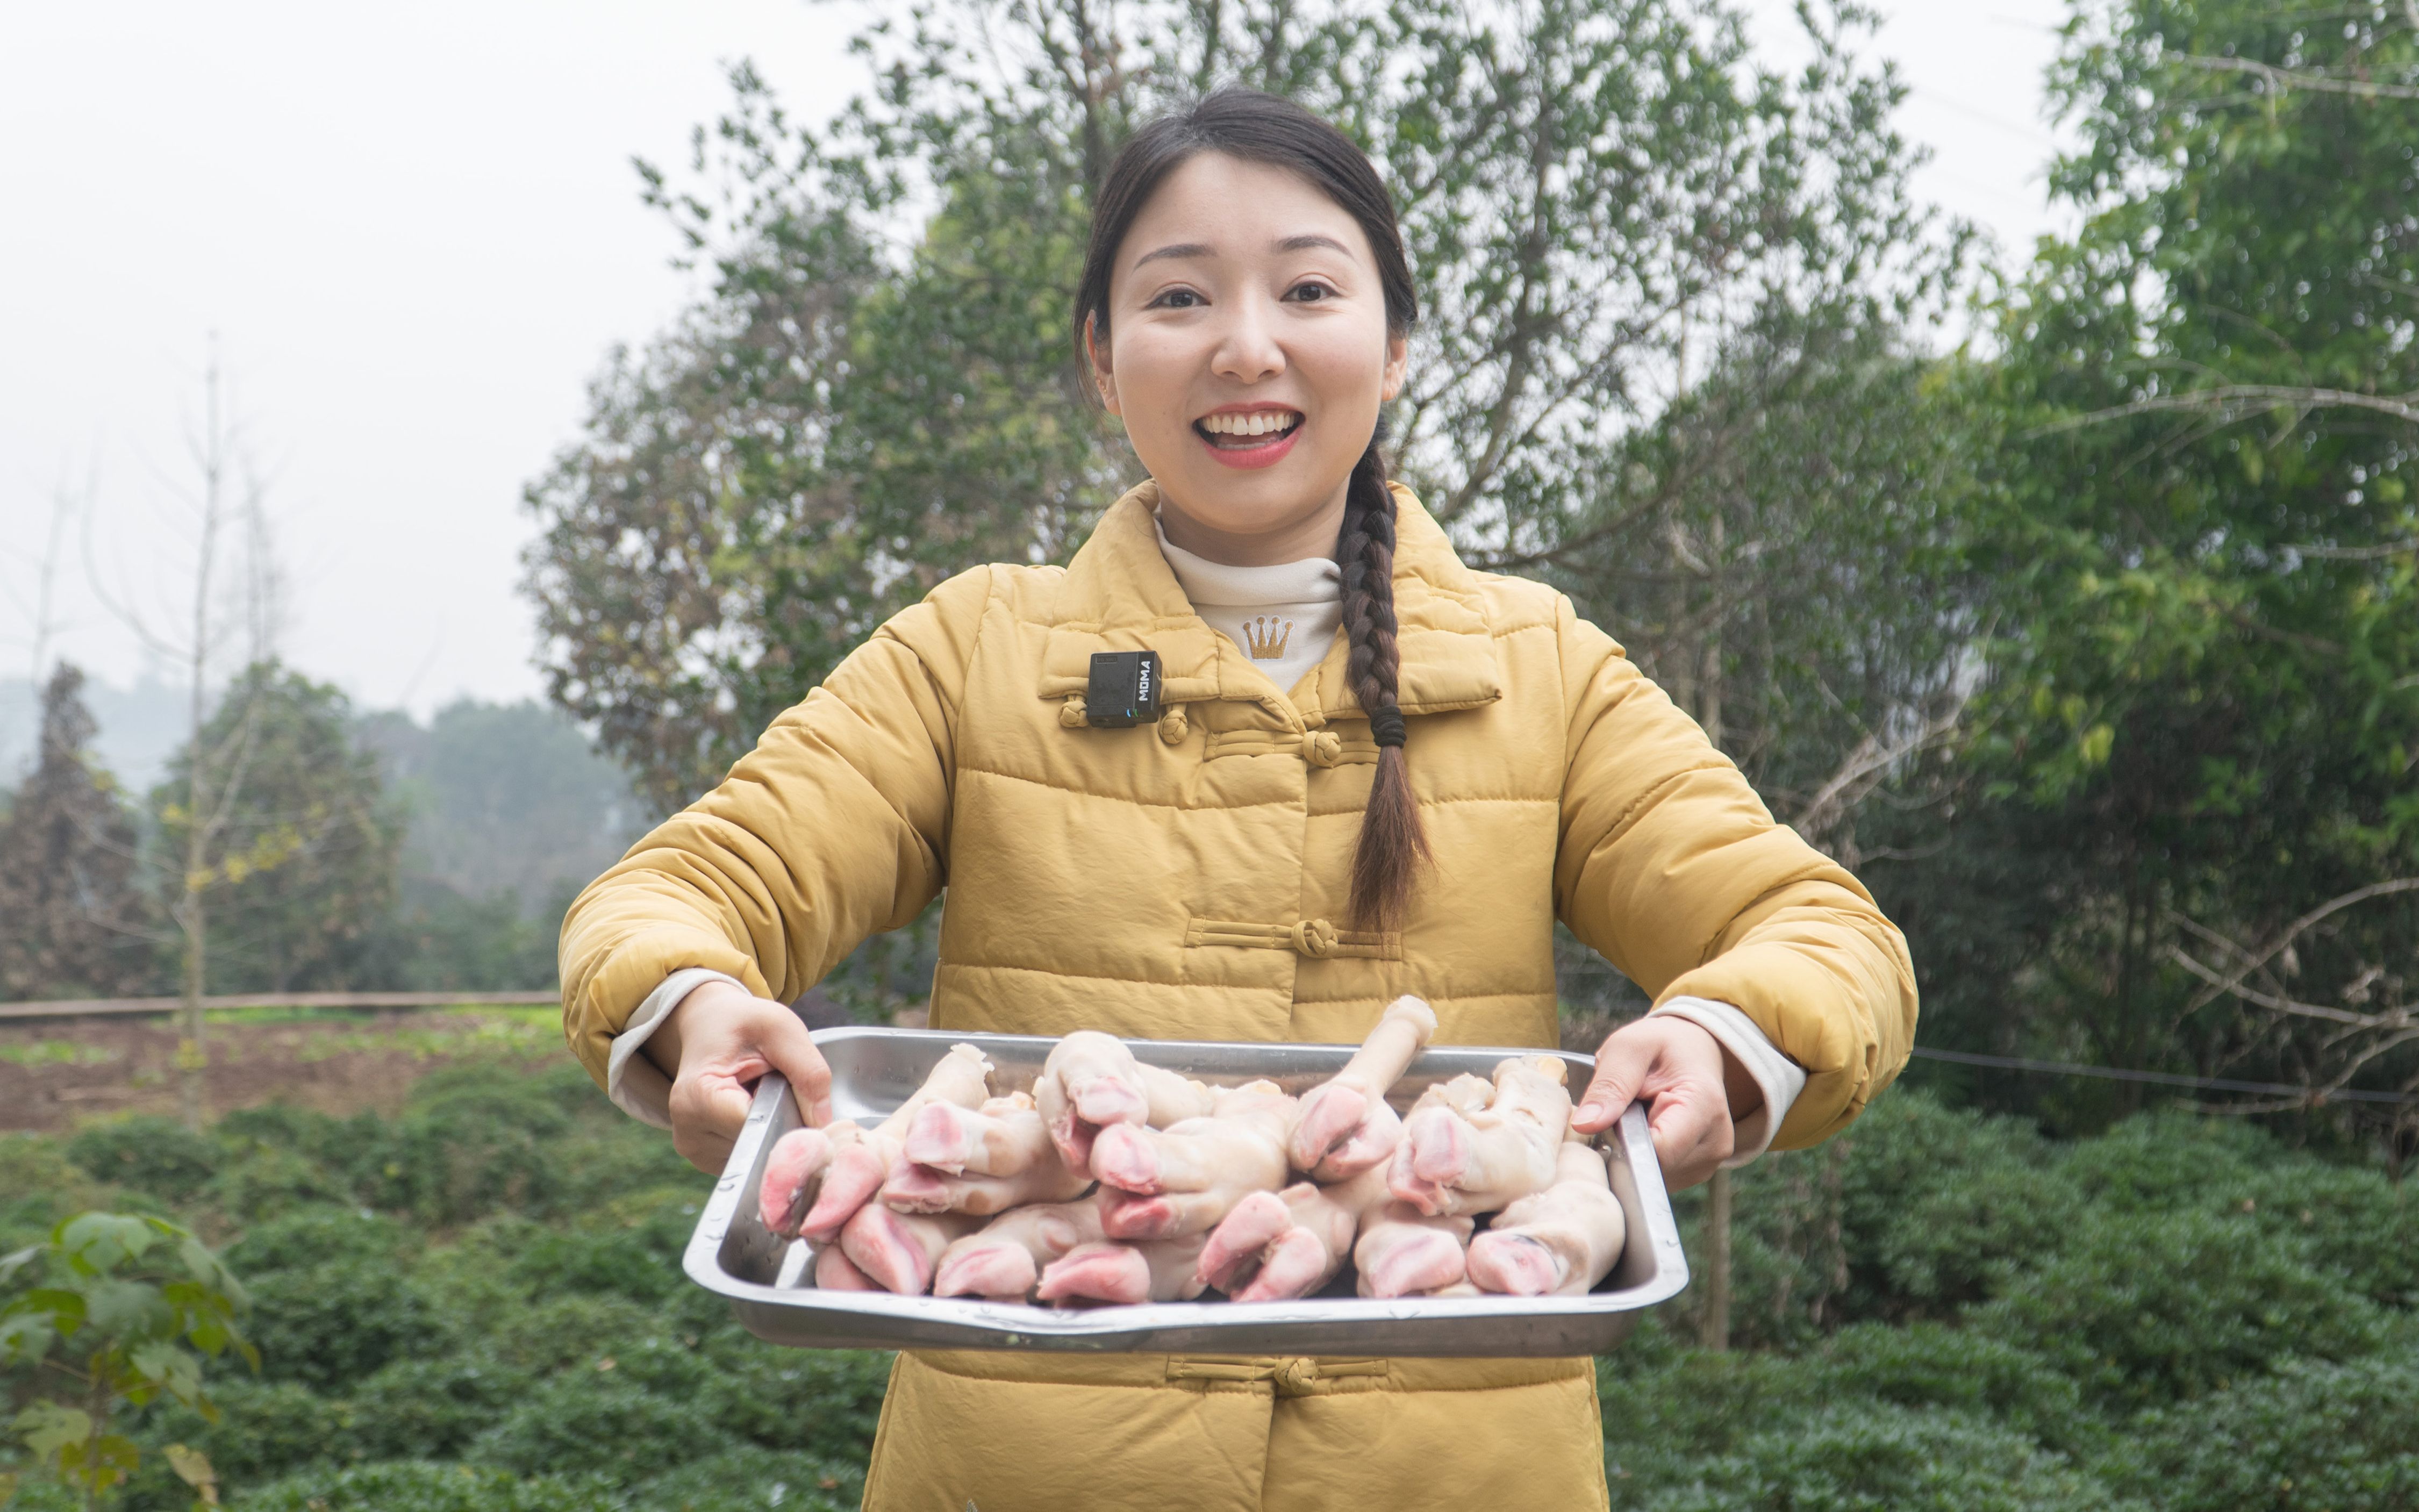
{"x": 1386, "y": 726}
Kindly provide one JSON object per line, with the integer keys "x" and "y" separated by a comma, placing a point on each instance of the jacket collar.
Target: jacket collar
{"x": 1120, "y": 595}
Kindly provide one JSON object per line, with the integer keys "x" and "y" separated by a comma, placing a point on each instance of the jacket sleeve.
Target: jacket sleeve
{"x": 1674, "y": 870}
{"x": 834, "y": 827}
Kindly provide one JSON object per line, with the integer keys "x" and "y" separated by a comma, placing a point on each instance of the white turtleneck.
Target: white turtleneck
{"x": 1283, "y": 616}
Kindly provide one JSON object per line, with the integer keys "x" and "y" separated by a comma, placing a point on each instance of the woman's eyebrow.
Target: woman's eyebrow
{"x": 1310, "y": 239}
{"x": 1180, "y": 248}
{"x": 1198, "y": 248}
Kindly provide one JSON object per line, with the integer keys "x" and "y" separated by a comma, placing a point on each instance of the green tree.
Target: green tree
{"x": 72, "y": 916}
{"x": 1604, "y": 203}
{"x": 2196, "y": 839}
{"x": 301, "y": 861}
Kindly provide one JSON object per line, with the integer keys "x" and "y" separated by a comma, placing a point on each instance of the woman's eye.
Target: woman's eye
{"x": 1309, "y": 292}
{"x": 1176, "y": 299}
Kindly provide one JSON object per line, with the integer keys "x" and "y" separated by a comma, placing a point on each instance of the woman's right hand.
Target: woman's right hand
{"x": 715, "y": 1045}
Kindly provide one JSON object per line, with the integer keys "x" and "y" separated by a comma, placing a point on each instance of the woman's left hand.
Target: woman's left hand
{"x": 1696, "y": 1089}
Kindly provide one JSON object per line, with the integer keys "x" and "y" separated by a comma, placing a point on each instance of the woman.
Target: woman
{"x": 1375, "y": 772}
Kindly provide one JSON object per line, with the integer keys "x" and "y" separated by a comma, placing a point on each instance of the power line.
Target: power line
{"x": 2211, "y": 1084}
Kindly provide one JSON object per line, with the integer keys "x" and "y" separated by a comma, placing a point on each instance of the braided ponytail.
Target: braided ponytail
{"x": 1392, "y": 843}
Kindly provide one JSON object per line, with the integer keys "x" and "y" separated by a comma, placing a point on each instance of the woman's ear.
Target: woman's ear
{"x": 1398, "y": 362}
{"x": 1103, "y": 378}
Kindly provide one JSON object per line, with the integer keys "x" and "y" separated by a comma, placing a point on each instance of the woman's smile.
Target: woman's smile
{"x": 1250, "y": 435}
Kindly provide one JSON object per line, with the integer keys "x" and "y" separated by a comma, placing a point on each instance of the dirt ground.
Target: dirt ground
{"x": 56, "y": 1074}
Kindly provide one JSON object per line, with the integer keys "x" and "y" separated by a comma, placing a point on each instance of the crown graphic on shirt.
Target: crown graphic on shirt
{"x": 1265, "y": 638}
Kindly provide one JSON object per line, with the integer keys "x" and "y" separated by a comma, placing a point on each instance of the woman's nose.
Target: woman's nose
{"x": 1248, "y": 350}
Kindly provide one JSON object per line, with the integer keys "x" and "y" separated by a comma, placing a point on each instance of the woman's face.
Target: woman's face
{"x": 1247, "y": 353}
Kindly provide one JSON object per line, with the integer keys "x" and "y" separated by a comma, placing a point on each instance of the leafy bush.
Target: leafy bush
{"x": 1854, "y": 1458}
{"x": 2148, "y": 1308}
{"x": 2358, "y": 1224}
{"x": 754, "y": 1480}
{"x": 475, "y": 1142}
{"x": 419, "y": 1486}
{"x": 613, "y": 1262}
{"x": 316, "y": 1236}
{"x": 2342, "y": 1437}
{"x": 41, "y": 1187}
{"x": 820, "y": 1401}
{"x": 331, "y": 1325}
{"x": 432, "y": 1409}
{"x": 617, "y": 1431}
{"x": 1932, "y": 1365}
{"x": 264, "y": 1429}
{"x": 152, "y": 1155}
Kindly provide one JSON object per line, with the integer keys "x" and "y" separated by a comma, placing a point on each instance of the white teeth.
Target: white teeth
{"x": 1261, "y": 423}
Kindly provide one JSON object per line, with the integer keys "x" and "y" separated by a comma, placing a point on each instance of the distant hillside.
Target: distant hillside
{"x": 505, "y": 795}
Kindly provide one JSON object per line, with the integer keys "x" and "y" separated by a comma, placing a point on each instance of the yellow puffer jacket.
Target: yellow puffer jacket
{"x": 1189, "y": 882}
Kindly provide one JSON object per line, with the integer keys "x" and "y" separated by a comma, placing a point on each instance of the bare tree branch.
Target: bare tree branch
{"x": 2235, "y": 400}
{"x": 2332, "y": 83}
{"x": 1868, "y": 764}
{"x": 2252, "y": 960}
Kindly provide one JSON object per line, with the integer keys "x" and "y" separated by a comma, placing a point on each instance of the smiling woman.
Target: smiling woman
{"x": 1248, "y": 365}
{"x": 1264, "y": 863}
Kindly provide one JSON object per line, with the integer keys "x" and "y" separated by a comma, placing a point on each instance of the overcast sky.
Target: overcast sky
{"x": 416, "y": 233}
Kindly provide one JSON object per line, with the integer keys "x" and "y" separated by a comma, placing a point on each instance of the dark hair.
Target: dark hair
{"x": 1267, "y": 129}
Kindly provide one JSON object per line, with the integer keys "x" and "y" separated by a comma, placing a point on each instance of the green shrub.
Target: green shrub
{"x": 152, "y": 1155}
{"x": 2358, "y": 1224}
{"x": 754, "y": 1480}
{"x": 1858, "y": 1457}
{"x": 2161, "y": 1161}
{"x": 334, "y": 1323}
{"x": 824, "y": 1401}
{"x": 40, "y": 1186}
{"x": 474, "y": 1141}
{"x": 570, "y": 1332}
{"x": 2144, "y": 1309}
{"x": 1933, "y": 1366}
{"x": 2340, "y": 1437}
{"x": 1687, "y": 1405}
{"x": 283, "y": 1126}
{"x": 1937, "y": 1204}
{"x": 590, "y": 1422}
{"x": 432, "y": 1409}
{"x": 315, "y": 1236}
{"x": 264, "y": 1430}
{"x": 426, "y": 1488}
{"x": 612, "y": 1262}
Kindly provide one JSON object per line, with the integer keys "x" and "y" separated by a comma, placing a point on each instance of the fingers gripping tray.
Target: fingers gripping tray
{"x": 734, "y": 1254}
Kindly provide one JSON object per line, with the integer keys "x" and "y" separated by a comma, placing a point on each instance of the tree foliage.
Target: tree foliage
{"x": 2194, "y": 793}
{"x": 1603, "y": 203}
{"x": 302, "y": 843}
{"x": 72, "y": 913}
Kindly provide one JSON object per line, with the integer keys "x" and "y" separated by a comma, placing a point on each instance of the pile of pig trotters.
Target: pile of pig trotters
{"x": 1115, "y": 1182}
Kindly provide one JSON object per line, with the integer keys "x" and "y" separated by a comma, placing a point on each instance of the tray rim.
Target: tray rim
{"x": 885, "y": 1320}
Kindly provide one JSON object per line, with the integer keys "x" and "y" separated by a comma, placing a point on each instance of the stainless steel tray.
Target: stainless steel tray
{"x": 733, "y": 1254}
